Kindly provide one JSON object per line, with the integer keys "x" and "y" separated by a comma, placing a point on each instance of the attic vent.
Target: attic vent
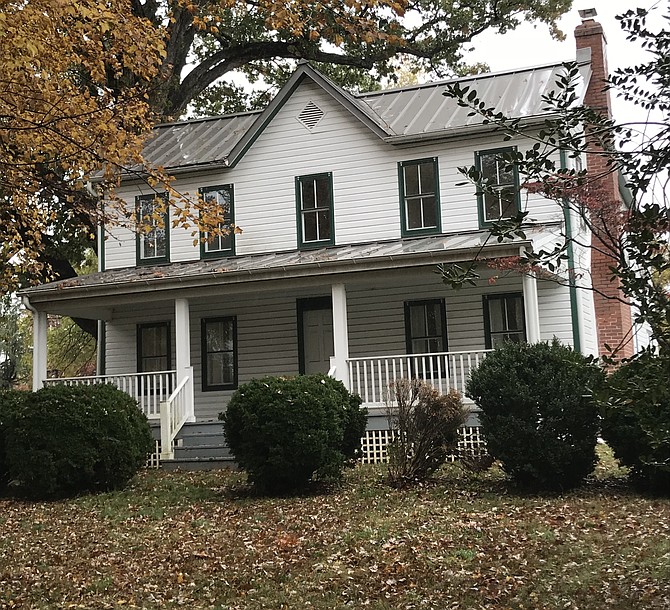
{"x": 311, "y": 115}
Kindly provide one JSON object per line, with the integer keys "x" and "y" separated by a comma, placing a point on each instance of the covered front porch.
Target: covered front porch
{"x": 367, "y": 332}
{"x": 181, "y": 338}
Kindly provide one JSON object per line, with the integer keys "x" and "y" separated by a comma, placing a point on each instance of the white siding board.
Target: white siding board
{"x": 555, "y": 312}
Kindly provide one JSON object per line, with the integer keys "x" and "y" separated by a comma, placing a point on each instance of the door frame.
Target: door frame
{"x": 303, "y": 305}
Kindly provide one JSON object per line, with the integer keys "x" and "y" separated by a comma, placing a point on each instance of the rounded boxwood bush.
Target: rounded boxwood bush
{"x": 537, "y": 412}
{"x": 286, "y": 431}
{"x": 66, "y": 440}
{"x": 10, "y": 401}
{"x": 636, "y": 420}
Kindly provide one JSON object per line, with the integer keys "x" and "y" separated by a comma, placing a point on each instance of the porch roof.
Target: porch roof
{"x": 279, "y": 265}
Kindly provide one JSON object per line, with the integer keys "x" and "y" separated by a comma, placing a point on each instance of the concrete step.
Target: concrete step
{"x": 218, "y": 450}
{"x": 199, "y": 464}
{"x": 197, "y": 440}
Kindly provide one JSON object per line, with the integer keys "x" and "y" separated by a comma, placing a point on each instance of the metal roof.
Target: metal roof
{"x": 201, "y": 142}
{"x": 295, "y": 263}
{"x": 424, "y": 109}
{"x": 395, "y": 115}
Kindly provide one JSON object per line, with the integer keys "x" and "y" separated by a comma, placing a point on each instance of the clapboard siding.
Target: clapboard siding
{"x": 365, "y": 184}
{"x": 121, "y": 335}
{"x": 555, "y": 312}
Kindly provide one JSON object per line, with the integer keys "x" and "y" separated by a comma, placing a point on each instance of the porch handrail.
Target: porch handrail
{"x": 148, "y": 389}
{"x": 370, "y": 376}
{"x": 103, "y": 377}
{"x": 174, "y": 413}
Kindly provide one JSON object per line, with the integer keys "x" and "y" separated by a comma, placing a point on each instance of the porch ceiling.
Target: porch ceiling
{"x": 83, "y": 294}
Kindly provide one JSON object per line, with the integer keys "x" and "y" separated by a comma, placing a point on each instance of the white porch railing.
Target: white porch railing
{"x": 175, "y": 412}
{"x": 370, "y": 376}
{"x": 148, "y": 389}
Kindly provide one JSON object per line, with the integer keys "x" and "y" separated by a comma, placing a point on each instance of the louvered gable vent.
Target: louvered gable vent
{"x": 311, "y": 115}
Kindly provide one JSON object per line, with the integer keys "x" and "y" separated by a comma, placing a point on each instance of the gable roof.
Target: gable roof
{"x": 396, "y": 116}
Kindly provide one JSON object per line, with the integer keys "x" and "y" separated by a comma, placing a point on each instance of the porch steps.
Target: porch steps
{"x": 200, "y": 446}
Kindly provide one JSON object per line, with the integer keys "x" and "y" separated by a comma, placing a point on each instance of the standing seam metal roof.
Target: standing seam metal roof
{"x": 393, "y": 114}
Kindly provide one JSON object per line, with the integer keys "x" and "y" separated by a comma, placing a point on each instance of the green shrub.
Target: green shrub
{"x": 537, "y": 412}
{"x": 636, "y": 420}
{"x": 10, "y": 401}
{"x": 425, "y": 425}
{"x": 65, "y": 440}
{"x": 286, "y": 431}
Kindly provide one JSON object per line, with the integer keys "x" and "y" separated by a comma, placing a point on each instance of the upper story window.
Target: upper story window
{"x": 314, "y": 202}
{"x": 504, "y": 319}
{"x": 153, "y": 241}
{"x": 219, "y": 198}
{"x": 501, "y": 200}
{"x": 419, "y": 197}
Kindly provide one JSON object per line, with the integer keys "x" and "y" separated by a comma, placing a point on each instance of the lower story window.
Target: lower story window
{"x": 425, "y": 326}
{"x": 426, "y": 333}
{"x": 153, "y": 347}
{"x": 504, "y": 319}
{"x": 219, "y": 353}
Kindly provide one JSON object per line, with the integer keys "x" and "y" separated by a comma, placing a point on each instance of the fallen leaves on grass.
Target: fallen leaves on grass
{"x": 182, "y": 540}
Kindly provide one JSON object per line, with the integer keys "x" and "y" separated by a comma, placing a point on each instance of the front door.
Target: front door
{"x": 315, "y": 335}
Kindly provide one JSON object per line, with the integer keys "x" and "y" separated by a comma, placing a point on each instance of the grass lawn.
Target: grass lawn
{"x": 200, "y": 540}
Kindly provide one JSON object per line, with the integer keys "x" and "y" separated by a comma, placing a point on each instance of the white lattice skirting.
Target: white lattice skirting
{"x": 471, "y": 443}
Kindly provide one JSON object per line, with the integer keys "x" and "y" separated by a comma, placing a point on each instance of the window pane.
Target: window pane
{"x": 429, "y": 212}
{"x": 220, "y": 369}
{"x": 507, "y": 202}
{"x": 322, "y": 192}
{"x": 515, "y": 317}
{"x": 497, "y": 315}
{"x": 417, "y": 321}
{"x": 307, "y": 193}
{"x": 414, "y": 219}
{"x": 411, "y": 180}
{"x": 309, "y": 226}
{"x": 427, "y": 177}
{"x": 488, "y": 168}
{"x": 324, "y": 224}
{"x": 433, "y": 322}
{"x": 420, "y": 346}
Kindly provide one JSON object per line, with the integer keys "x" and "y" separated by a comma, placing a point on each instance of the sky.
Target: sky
{"x": 531, "y": 45}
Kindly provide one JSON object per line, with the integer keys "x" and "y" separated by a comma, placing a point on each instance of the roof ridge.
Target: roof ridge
{"x": 444, "y": 82}
{"x": 204, "y": 119}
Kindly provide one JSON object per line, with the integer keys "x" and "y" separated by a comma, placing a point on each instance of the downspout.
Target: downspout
{"x": 100, "y": 359}
{"x": 574, "y": 304}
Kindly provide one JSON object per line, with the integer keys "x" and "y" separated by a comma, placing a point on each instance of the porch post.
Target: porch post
{"x": 39, "y": 349}
{"x": 182, "y": 328}
{"x": 531, "y": 307}
{"x": 340, "y": 333}
{"x": 182, "y": 337}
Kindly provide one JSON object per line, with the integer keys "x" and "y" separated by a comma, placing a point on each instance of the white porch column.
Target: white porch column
{"x": 531, "y": 307}
{"x": 182, "y": 330}
{"x": 340, "y": 333}
{"x": 39, "y": 349}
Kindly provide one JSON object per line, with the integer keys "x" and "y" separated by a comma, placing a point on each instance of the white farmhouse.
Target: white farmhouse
{"x": 347, "y": 204}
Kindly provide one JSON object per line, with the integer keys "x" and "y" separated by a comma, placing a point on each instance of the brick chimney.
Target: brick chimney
{"x": 613, "y": 317}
